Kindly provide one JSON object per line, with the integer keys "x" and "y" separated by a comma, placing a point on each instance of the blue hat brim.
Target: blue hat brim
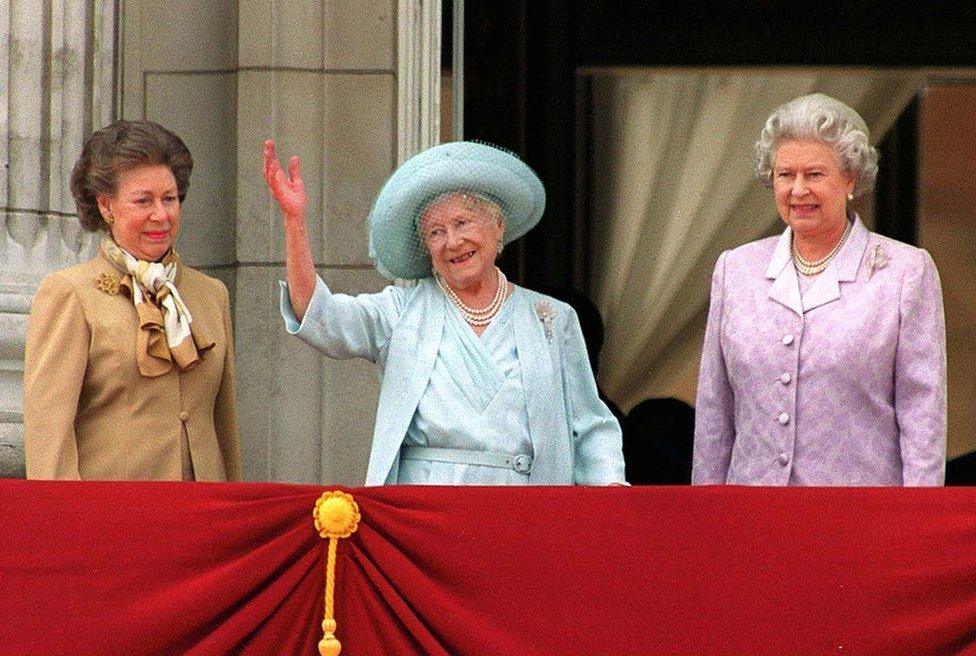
{"x": 457, "y": 166}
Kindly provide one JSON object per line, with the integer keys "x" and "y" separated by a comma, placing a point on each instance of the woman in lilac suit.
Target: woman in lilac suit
{"x": 824, "y": 357}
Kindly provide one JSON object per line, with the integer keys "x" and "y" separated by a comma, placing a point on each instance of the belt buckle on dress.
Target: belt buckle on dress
{"x": 522, "y": 464}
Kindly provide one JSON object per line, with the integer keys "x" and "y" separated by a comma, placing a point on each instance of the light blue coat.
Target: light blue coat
{"x": 575, "y": 438}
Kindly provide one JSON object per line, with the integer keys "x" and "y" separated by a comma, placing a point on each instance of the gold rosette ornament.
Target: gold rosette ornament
{"x": 336, "y": 516}
{"x": 108, "y": 283}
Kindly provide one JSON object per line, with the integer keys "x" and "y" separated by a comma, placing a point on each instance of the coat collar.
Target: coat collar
{"x": 826, "y": 288}
{"x": 785, "y": 288}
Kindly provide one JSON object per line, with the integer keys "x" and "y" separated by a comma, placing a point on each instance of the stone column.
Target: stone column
{"x": 56, "y": 82}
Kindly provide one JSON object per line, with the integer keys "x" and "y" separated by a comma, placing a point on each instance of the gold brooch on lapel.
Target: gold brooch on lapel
{"x": 546, "y": 315}
{"x": 878, "y": 260}
{"x": 108, "y": 283}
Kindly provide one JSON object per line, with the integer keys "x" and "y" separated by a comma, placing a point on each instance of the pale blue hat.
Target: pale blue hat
{"x": 394, "y": 242}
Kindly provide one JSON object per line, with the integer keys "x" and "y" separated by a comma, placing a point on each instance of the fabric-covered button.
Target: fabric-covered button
{"x": 783, "y": 459}
{"x": 522, "y": 464}
{"x": 785, "y": 378}
{"x": 184, "y": 415}
{"x": 787, "y": 339}
{"x": 784, "y": 419}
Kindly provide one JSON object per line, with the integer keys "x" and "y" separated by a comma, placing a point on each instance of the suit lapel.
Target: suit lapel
{"x": 823, "y": 290}
{"x": 844, "y": 267}
{"x": 848, "y": 260}
{"x": 785, "y": 289}
{"x": 826, "y": 288}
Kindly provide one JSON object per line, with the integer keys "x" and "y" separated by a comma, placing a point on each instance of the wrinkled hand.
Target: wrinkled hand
{"x": 288, "y": 189}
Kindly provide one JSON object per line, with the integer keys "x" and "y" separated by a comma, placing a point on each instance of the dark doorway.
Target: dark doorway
{"x": 521, "y": 83}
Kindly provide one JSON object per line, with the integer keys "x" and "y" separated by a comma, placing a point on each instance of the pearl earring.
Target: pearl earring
{"x": 850, "y": 197}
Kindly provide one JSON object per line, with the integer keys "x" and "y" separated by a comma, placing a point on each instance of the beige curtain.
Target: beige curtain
{"x": 672, "y": 185}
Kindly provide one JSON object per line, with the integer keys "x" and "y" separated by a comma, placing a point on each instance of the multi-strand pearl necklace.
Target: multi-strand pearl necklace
{"x": 475, "y": 316}
{"x": 809, "y": 268}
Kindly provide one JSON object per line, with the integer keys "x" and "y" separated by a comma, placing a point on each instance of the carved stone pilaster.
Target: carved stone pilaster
{"x": 56, "y": 85}
{"x": 418, "y": 77}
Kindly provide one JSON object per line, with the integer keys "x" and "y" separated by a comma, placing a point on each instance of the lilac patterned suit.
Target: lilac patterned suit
{"x": 844, "y": 385}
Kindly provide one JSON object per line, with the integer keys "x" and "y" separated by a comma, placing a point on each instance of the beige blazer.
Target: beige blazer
{"x": 89, "y": 414}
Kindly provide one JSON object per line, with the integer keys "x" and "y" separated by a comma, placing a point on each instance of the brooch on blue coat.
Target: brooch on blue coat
{"x": 546, "y": 314}
{"x": 878, "y": 260}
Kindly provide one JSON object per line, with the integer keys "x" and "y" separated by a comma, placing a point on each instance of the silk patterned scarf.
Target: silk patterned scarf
{"x": 167, "y": 336}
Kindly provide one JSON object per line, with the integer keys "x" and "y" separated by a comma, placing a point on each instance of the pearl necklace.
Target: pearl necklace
{"x": 809, "y": 268}
{"x": 478, "y": 316}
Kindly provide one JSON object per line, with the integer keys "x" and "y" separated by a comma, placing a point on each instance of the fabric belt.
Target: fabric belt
{"x": 521, "y": 463}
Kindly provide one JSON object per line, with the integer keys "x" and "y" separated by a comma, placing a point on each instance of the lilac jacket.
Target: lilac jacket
{"x": 846, "y": 386}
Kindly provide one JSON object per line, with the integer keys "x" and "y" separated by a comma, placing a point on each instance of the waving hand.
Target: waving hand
{"x": 288, "y": 189}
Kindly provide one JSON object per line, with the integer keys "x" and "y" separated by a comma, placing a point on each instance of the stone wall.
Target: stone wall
{"x": 351, "y": 86}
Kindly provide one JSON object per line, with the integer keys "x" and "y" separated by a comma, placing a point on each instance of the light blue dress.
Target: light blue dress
{"x": 475, "y": 401}
{"x": 525, "y": 383}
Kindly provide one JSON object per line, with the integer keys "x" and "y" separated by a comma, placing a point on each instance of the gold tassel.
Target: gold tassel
{"x": 336, "y": 516}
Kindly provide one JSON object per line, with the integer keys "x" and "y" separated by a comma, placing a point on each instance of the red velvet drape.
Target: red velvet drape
{"x": 171, "y": 568}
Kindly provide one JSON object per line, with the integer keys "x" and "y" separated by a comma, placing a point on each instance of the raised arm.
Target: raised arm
{"x": 288, "y": 190}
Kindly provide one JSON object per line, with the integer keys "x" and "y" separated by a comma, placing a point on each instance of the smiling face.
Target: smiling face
{"x": 462, "y": 235}
{"x": 811, "y": 187}
{"x": 144, "y": 212}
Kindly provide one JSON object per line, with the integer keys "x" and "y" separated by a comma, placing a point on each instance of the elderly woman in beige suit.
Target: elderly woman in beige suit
{"x": 129, "y": 367}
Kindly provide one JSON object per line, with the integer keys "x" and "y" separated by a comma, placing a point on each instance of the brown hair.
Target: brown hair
{"x": 120, "y": 147}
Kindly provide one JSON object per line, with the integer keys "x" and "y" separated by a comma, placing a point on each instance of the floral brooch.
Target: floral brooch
{"x": 546, "y": 314}
{"x": 878, "y": 260}
{"x": 108, "y": 283}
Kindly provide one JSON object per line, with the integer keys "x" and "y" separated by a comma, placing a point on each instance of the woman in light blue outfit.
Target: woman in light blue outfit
{"x": 484, "y": 382}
